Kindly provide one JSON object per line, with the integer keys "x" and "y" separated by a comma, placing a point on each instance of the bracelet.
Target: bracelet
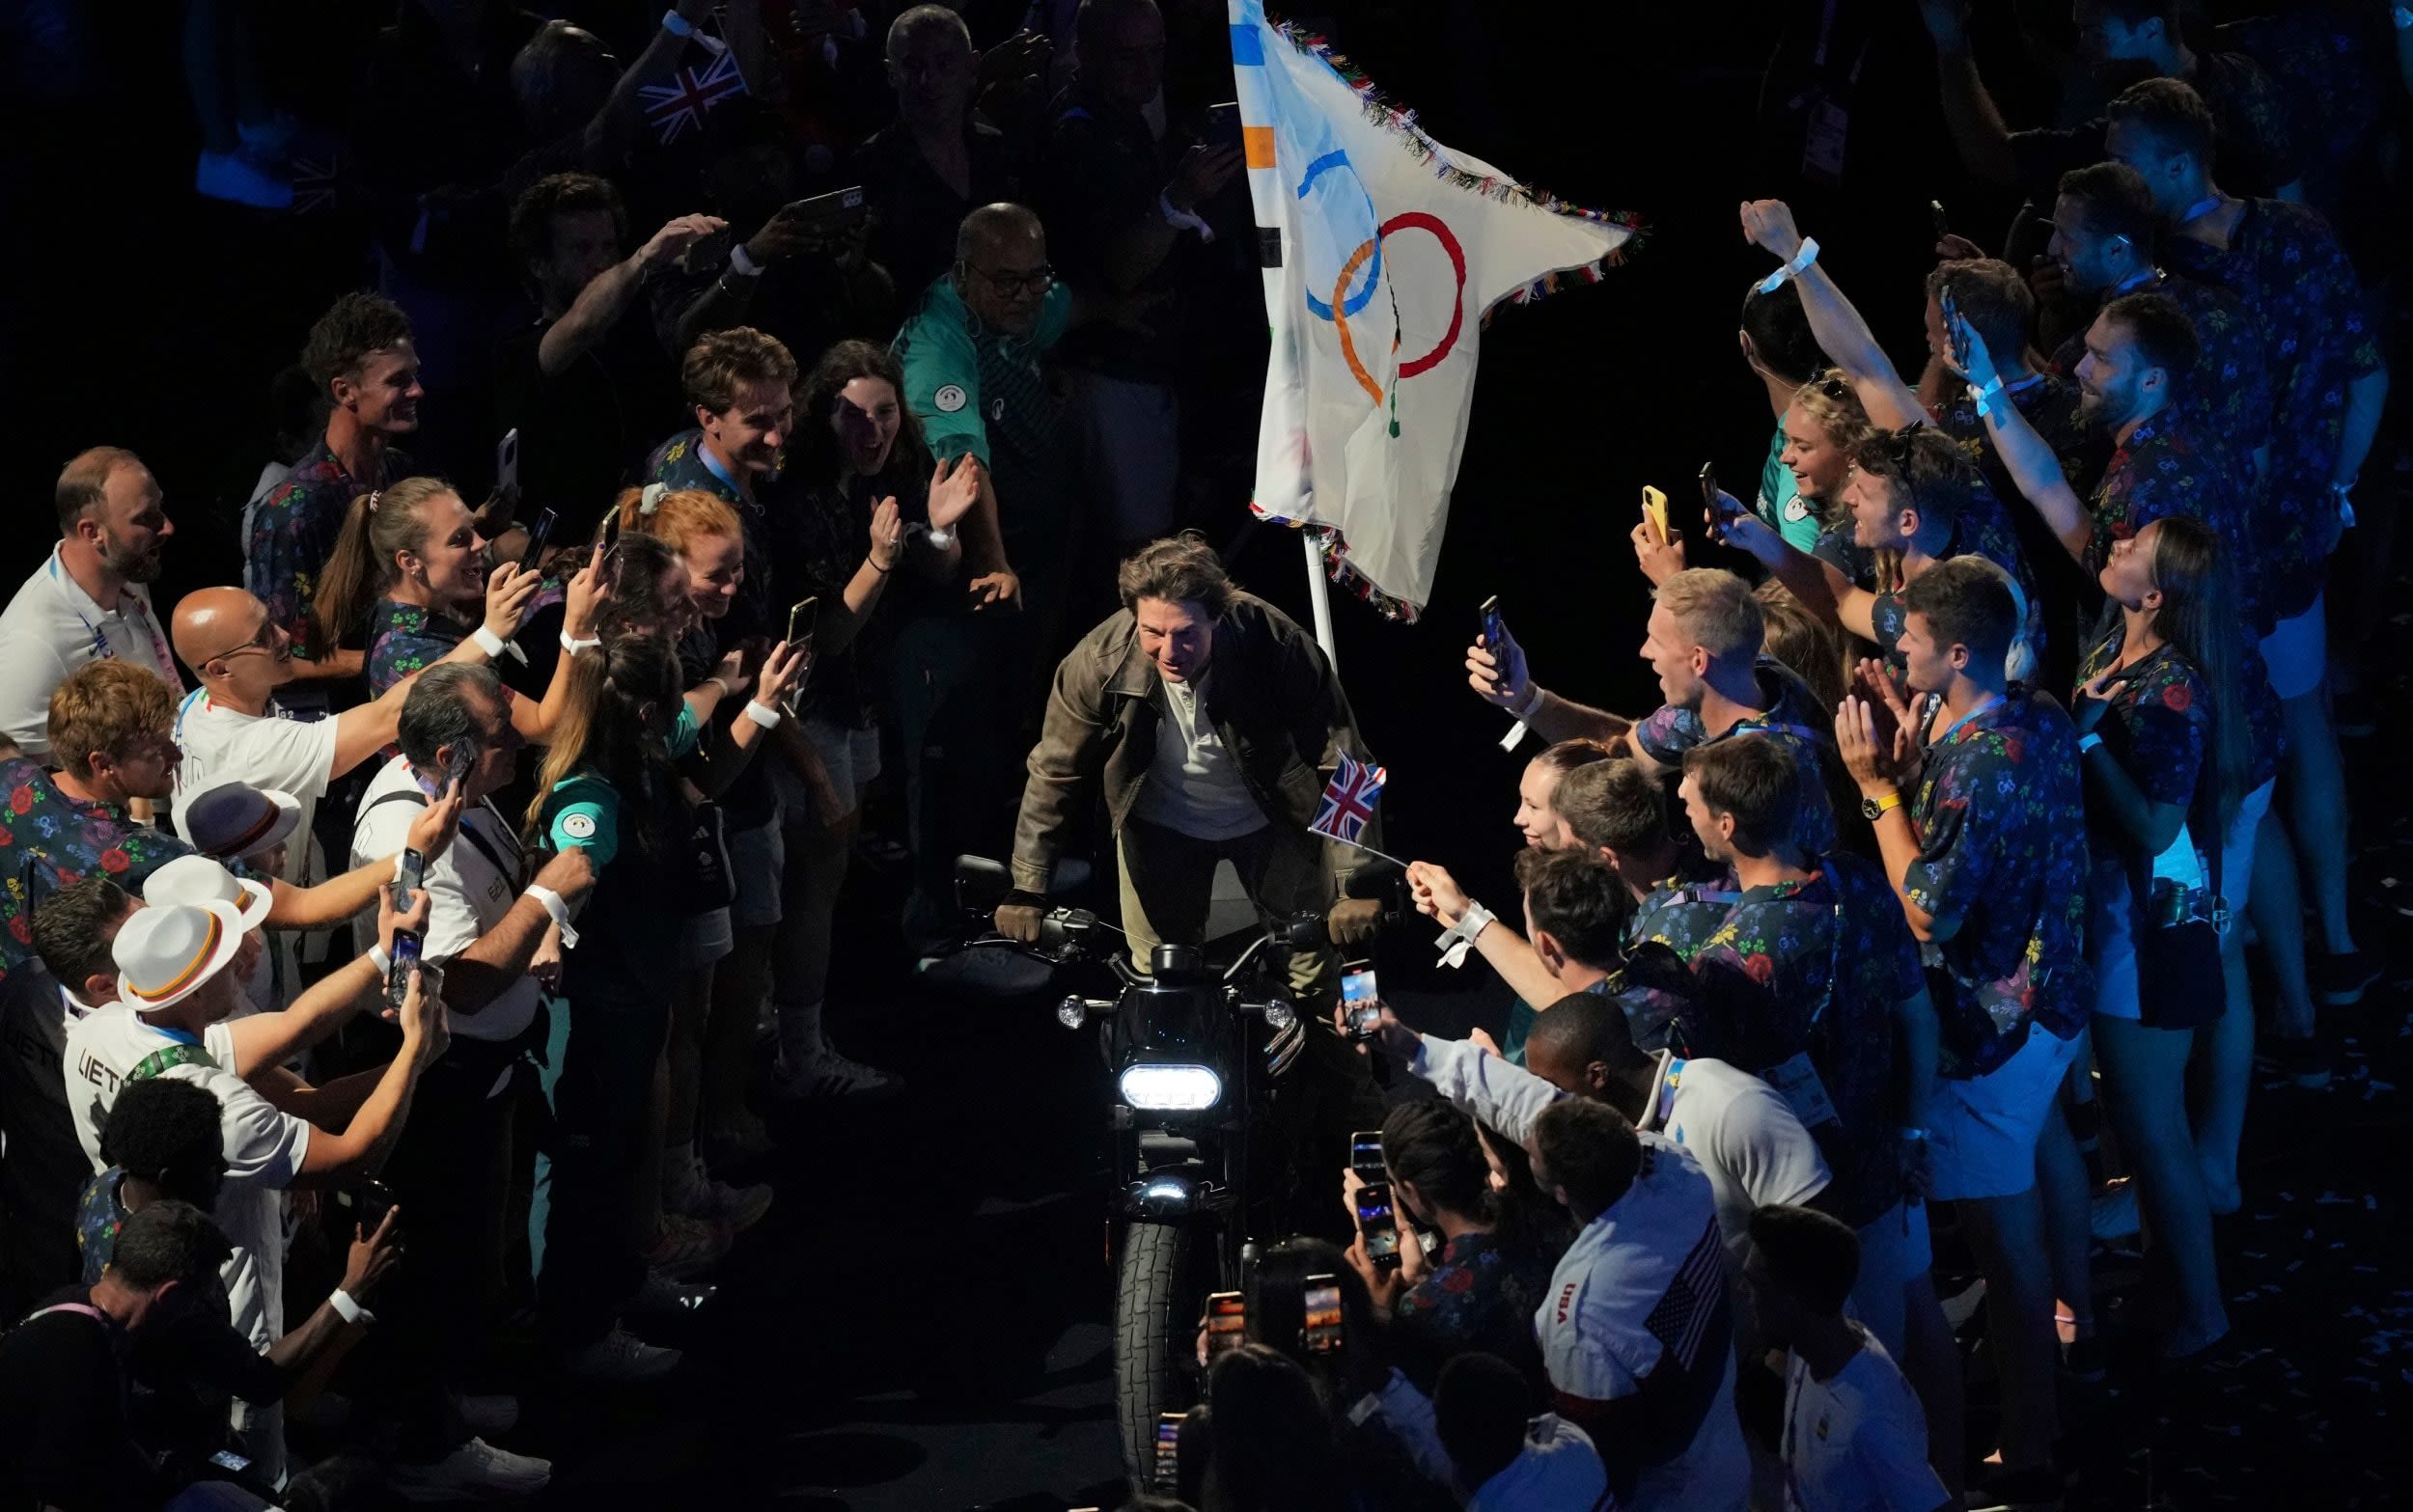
{"x": 741, "y": 265}
{"x": 2088, "y": 742}
{"x": 677, "y": 25}
{"x": 1800, "y": 265}
{"x": 381, "y": 959}
{"x": 1525, "y": 712}
{"x": 763, "y": 714}
{"x": 1985, "y": 397}
{"x": 940, "y": 539}
{"x": 574, "y": 647}
{"x": 489, "y": 641}
{"x": 348, "y": 1309}
{"x": 557, "y": 910}
{"x": 876, "y": 567}
{"x": 1181, "y": 219}
{"x": 722, "y": 683}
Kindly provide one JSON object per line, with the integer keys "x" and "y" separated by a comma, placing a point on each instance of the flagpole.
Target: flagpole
{"x": 1320, "y": 595}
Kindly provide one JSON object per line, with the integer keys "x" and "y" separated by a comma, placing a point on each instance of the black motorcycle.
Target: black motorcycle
{"x": 1194, "y": 1051}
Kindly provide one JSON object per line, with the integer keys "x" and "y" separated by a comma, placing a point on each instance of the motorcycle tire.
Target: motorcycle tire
{"x": 1155, "y": 1337}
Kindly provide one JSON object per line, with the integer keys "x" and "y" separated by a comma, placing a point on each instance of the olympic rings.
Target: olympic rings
{"x": 1412, "y": 220}
{"x": 1338, "y": 159}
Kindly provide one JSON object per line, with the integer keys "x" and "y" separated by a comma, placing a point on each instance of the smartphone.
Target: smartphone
{"x": 800, "y": 615}
{"x": 1495, "y": 625}
{"x": 405, "y": 961}
{"x": 372, "y": 1200}
{"x": 413, "y": 876}
{"x": 1227, "y": 1323}
{"x": 1169, "y": 1451}
{"x": 1376, "y": 1225}
{"x": 1712, "y": 500}
{"x": 538, "y": 534}
{"x": 1366, "y": 1155}
{"x": 1654, "y": 510}
{"x": 611, "y": 533}
{"x": 1943, "y": 222}
{"x": 1952, "y": 331}
{"x": 460, "y": 758}
{"x": 1362, "y": 997}
{"x": 1321, "y": 1294}
{"x": 507, "y": 460}
{"x": 228, "y": 1460}
{"x": 1223, "y": 126}
{"x": 840, "y": 208}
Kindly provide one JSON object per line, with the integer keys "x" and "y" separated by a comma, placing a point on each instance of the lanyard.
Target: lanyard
{"x": 2200, "y": 207}
{"x": 101, "y": 649}
{"x": 180, "y": 1036}
{"x": 1991, "y": 700}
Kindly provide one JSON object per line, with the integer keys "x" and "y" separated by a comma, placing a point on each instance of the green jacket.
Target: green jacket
{"x": 1274, "y": 700}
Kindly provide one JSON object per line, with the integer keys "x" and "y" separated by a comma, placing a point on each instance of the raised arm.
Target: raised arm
{"x": 501, "y": 956}
{"x": 608, "y": 295}
{"x": 1820, "y": 586}
{"x": 361, "y": 1148}
{"x": 1498, "y": 674}
{"x": 2028, "y": 456}
{"x": 1841, "y": 332}
{"x": 1437, "y": 895}
{"x": 1969, "y": 113}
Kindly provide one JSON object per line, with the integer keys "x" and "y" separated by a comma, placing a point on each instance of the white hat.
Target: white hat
{"x": 235, "y": 822}
{"x": 199, "y": 880}
{"x": 166, "y": 953}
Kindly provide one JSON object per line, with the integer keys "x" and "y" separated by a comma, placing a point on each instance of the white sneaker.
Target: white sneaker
{"x": 230, "y": 177}
{"x": 622, "y": 1359}
{"x": 487, "y": 1414}
{"x": 827, "y": 1074}
{"x": 475, "y": 1469}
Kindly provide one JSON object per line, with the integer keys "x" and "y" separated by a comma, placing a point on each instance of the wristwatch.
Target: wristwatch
{"x": 1873, "y": 809}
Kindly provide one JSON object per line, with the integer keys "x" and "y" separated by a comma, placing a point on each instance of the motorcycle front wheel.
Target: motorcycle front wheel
{"x": 1157, "y": 1306}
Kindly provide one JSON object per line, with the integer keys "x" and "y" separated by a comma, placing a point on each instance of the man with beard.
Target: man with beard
{"x": 2125, "y": 41}
{"x": 89, "y": 602}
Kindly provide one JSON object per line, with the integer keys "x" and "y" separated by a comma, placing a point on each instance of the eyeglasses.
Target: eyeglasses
{"x": 263, "y": 639}
{"x": 1035, "y": 281}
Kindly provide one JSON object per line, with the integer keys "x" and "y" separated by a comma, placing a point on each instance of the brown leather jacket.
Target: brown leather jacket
{"x": 1273, "y": 699}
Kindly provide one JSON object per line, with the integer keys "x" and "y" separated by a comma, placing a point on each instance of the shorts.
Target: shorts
{"x": 1983, "y": 1128}
{"x": 2297, "y": 651}
{"x": 756, "y": 858}
{"x": 2236, "y": 851}
{"x": 704, "y": 940}
{"x": 1895, "y": 1251}
{"x": 848, "y": 754}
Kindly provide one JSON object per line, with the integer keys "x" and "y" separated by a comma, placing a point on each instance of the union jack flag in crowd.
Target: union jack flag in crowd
{"x": 680, "y": 102}
{"x": 1350, "y": 798}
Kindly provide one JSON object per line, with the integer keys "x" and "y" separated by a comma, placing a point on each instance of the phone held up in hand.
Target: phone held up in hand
{"x": 1376, "y": 1226}
{"x": 1227, "y": 1323}
{"x": 1712, "y": 501}
{"x": 1362, "y": 997}
{"x": 539, "y": 535}
{"x": 1494, "y": 626}
{"x": 1168, "y": 1471}
{"x": 1321, "y": 1294}
{"x": 1366, "y": 1155}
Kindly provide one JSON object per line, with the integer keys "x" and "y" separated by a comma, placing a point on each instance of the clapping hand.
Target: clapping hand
{"x": 954, "y": 487}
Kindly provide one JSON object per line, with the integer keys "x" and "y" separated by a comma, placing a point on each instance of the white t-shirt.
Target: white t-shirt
{"x": 264, "y": 1148}
{"x": 1750, "y": 1142}
{"x": 51, "y": 628}
{"x": 471, "y": 893}
{"x": 1194, "y": 785}
{"x": 270, "y": 750}
{"x": 1559, "y": 1472}
{"x": 1856, "y": 1441}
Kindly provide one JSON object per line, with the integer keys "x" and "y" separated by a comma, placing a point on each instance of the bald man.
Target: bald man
{"x": 89, "y": 602}
{"x": 938, "y": 159}
{"x": 232, "y": 729}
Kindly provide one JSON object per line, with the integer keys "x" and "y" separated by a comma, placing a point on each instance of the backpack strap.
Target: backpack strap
{"x": 485, "y": 848}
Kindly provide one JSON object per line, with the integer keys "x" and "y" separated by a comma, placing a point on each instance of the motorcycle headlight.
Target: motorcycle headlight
{"x": 1170, "y": 1088}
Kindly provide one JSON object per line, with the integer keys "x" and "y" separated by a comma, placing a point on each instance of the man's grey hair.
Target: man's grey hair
{"x": 991, "y": 224}
{"x": 926, "y": 19}
{"x": 442, "y": 709}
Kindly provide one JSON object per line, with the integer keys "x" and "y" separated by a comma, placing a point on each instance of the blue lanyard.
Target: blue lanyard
{"x": 1966, "y": 718}
{"x": 100, "y": 646}
{"x": 180, "y": 1036}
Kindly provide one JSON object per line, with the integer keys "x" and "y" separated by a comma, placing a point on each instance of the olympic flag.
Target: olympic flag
{"x": 1383, "y": 252}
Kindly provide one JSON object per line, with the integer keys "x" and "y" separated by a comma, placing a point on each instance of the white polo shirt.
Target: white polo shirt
{"x": 1856, "y": 1441}
{"x": 471, "y": 892}
{"x": 52, "y": 628}
{"x": 271, "y": 749}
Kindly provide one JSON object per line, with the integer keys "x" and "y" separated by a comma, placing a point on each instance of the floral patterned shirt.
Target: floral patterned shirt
{"x": 2172, "y": 464}
{"x": 49, "y": 840}
{"x": 294, "y": 532}
{"x": 2002, "y": 849}
{"x": 681, "y": 463}
{"x": 1482, "y": 1296}
{"x": 2230, "y": 388}
{"x": 98, "y": 1220}
{"x": 2159, "y": 725}
{"x": 406, "y": 638}
{"x": 2319, "y": 338}
{"x": 1816, "y": 968}
{"x": 1792, "y": 719}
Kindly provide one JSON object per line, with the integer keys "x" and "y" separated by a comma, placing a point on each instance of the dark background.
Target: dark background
{"x": 921, "y": 1323}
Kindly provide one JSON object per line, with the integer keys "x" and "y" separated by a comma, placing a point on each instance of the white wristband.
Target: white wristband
{"x": 348, "y": 1309}
{"x": 489, "y": 641}
{"x": 677, "y": 25}
{"x": 1532, "y": 705}
{"x": 763, "y": 714}
{"x": 1800, "y": 265}
{"x": 1181, "y": 219}
{"x": 575, "y": 647}
{"x": 940, "y": 540}
{"x": 379, "y": 958}
{"x": 741, "y": 265}
{"x": 557, "y": 910}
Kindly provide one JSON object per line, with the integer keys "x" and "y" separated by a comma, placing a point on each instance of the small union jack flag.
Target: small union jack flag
{"x": 1350, "y": 798}
{"x": 675, "y": 107}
